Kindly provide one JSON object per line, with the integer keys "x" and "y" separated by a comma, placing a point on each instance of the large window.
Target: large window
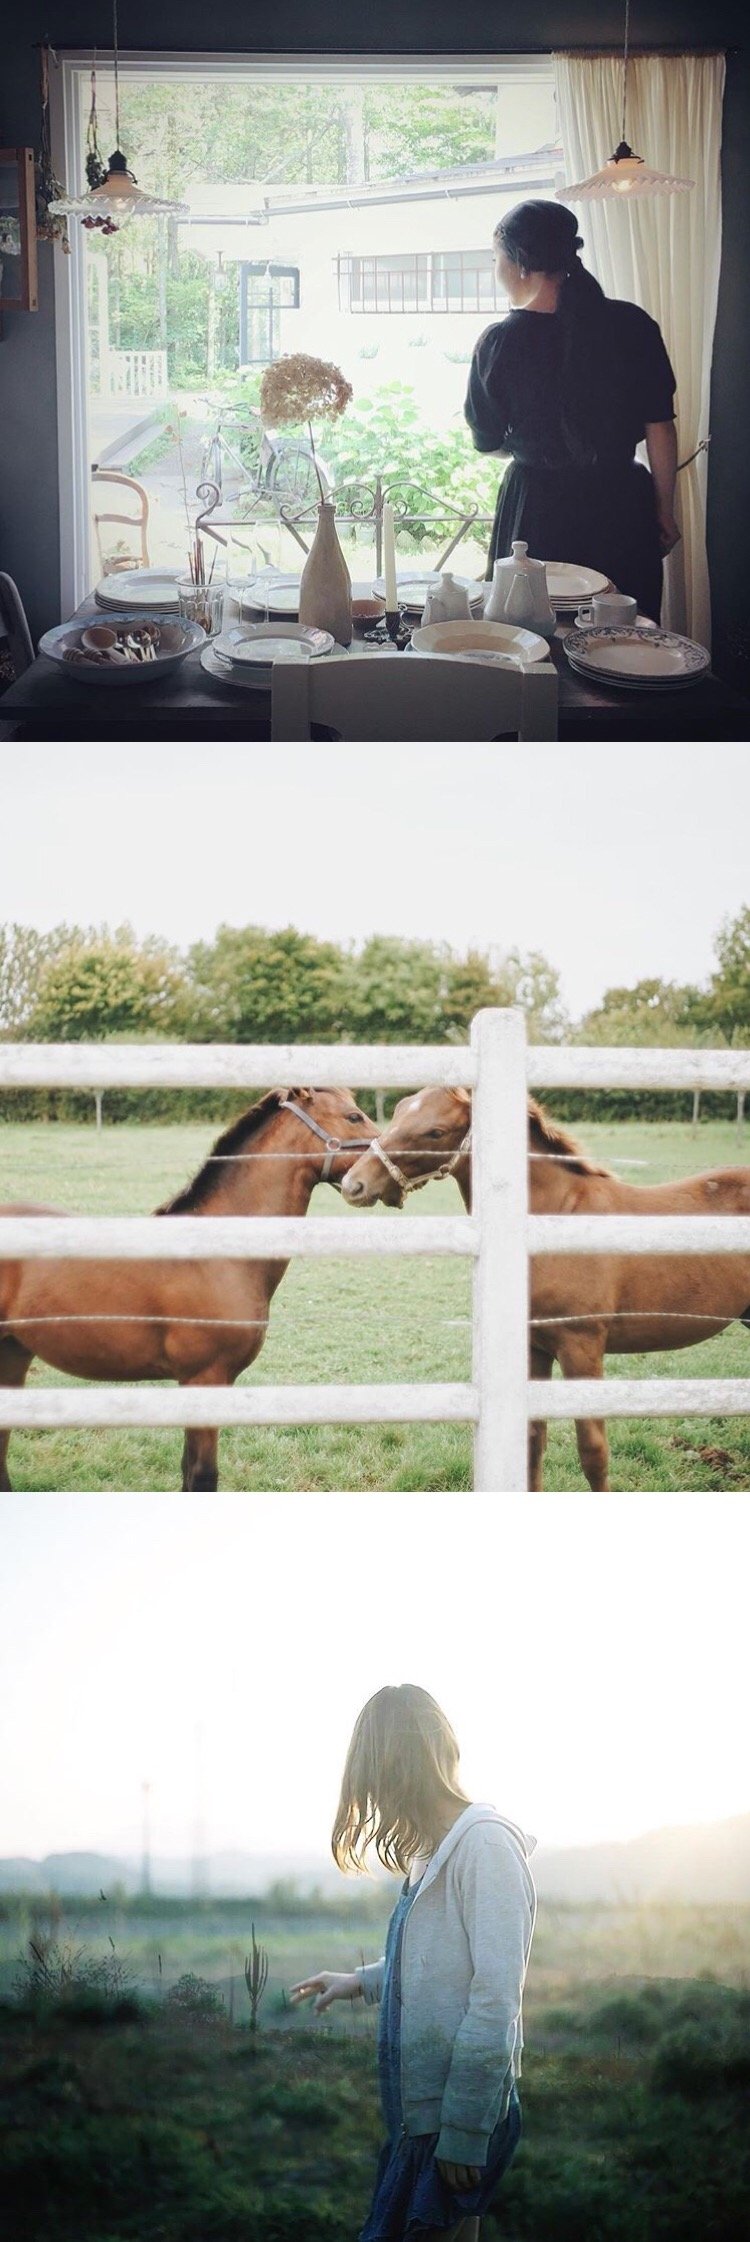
{"x": 265, "y": 291}
{"x": 343, "y": 208}
{"x": 433, "y": 280}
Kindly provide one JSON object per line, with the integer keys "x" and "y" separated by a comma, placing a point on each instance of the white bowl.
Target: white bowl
{"x": 480, "y": 638}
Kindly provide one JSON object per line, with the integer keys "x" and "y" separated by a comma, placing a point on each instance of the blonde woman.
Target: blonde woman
{"x": 451, "y": 1980}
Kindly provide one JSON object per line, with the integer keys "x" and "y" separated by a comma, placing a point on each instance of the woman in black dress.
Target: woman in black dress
{"x": 569, "y": 395}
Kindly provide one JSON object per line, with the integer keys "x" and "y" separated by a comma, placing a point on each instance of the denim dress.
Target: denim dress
{"x": 411, "y": 2195}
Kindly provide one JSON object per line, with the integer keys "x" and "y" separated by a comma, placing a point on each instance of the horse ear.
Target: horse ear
{"x": 301, "y": 1097}
{"x": 464, "y": 1097}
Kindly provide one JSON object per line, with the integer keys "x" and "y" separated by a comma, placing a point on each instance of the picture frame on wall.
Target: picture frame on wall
{"x": 18, "y": 259}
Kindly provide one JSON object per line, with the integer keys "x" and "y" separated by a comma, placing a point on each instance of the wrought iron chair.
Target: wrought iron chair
{"x": 357, "y": 504}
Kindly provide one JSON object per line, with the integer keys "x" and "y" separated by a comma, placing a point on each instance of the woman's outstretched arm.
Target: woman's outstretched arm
{"x": 661, "y": 445}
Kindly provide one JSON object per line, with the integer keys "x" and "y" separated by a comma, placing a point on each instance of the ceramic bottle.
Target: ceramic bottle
{"x": 325, "y": 593}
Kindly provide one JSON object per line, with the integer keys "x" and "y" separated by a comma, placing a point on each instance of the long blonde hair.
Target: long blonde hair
{"x": 401, "y": 1773}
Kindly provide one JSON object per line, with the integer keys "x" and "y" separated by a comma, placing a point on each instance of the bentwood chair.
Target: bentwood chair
{"x": 14, "y": 627}
{"x": 131, "y": 550}
{"x": 393, "y": 696}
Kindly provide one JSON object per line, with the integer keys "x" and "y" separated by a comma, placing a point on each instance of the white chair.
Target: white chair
{"x": 393, "y": 696}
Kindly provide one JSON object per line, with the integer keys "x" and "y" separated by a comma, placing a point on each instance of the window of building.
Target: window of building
{"x": 265, "y": 291}
{"x": 427, "y": 281}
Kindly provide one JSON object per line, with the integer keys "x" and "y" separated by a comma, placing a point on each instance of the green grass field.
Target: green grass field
{"x": 388, "y": 1321}
{"x": 130, "y": 2115}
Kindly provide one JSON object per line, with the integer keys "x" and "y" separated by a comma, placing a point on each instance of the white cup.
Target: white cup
{"x": 615, "y": 610}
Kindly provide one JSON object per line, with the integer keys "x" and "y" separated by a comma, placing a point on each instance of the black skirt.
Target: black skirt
{"x": 597, "y": 517}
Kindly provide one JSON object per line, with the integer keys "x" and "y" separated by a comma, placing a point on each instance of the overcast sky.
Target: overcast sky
{"x": 615, "y": 862}
{"x": 590, "y": 1652}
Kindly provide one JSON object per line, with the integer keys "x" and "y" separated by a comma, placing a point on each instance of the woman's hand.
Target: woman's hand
{"x": 328, "y": 1986}
{"x": 669, "y": 534}
{"x": 460, "y": 2177}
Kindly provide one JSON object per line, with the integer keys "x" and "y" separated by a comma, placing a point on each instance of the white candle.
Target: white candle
{"x": 389, "y": 558}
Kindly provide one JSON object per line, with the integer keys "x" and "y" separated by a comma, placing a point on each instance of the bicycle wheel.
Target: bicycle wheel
{"x": 292, "y": 476}
{"x": 211, "y": 470}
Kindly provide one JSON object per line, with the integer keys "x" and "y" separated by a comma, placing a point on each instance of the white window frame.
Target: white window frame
{"x": 69, "y": 95}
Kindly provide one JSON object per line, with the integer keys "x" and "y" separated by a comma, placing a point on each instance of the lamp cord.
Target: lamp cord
{"x": 625, "y": 68}
{"x": 117, "y": 75}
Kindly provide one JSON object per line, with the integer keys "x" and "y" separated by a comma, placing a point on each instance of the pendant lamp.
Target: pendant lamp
{"x": 624, "y": 173}
{"x": 114, "y": 195}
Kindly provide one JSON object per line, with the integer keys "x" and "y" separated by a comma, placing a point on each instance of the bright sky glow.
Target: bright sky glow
{"x": 616, "y": 863}
{"x": 590, "y": 1652}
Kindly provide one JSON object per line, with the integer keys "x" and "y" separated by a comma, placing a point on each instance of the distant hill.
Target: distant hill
{"x": 706, "y": 1865}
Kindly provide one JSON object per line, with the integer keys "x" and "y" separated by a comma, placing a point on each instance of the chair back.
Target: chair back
{"x": 133, "y": 551}
{"x": 386, "y": 695}
{"x": 13, "y": 623}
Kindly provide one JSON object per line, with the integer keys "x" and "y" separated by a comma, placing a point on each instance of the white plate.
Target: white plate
{"x": 413, "y": 589}
{"x": 136, "y": 588}
{"x": 483, "y": 639}
{"x": 568, "y": 584}
{"x": 642, "y": 623}
{"x": 254, "y": 677}
{"x": 257, "y": 645}
{"x": 639, "y": 657}
{"x": 278, "y": 597}
{"x": 54, "y": 643}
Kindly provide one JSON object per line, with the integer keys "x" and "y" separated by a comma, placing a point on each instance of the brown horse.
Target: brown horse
{"x": 201, "y": 1322}
{"x": 586, "y": 1308}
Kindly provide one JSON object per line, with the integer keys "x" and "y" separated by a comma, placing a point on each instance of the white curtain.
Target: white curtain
{"x": 662, "y": 252}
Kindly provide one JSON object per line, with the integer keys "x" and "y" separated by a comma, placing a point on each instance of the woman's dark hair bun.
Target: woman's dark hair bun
{"x": 542, "y": 235}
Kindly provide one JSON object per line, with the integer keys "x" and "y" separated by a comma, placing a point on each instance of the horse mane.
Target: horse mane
{"x": 546, "y": 1135}
{"x": 231, "y": 1142}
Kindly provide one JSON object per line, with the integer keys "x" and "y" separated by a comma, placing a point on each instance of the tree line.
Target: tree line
{"x": 252, "y": 985}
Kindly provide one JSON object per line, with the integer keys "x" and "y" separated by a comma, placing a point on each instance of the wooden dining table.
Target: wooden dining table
{"x": 51, "y": 703}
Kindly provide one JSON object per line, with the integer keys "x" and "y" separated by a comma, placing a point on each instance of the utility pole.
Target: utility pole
{"x": 146, "y": 1853}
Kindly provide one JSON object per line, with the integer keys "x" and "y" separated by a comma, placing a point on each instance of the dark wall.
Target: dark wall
{"x": 29, "y": 524}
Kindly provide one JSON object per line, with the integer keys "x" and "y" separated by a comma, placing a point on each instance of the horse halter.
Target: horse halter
{"x": 333, "y": 1145}
{"x": 417, "y": 1182}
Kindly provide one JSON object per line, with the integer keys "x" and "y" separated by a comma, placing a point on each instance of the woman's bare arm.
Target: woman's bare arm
{"x": 661, "y": 445}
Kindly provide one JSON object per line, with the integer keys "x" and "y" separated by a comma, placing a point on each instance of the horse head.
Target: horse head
{"x": 428, "y": 1136}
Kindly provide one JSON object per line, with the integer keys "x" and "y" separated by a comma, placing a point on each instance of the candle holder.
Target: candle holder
{"x": 398, "y": 630}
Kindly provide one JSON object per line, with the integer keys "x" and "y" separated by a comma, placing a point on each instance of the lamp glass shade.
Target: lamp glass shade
{"x": 624, "y": 174}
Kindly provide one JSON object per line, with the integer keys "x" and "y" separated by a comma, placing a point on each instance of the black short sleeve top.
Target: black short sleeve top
{"x": 514, "y": 400}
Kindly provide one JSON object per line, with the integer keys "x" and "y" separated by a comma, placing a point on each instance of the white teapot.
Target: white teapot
{"x": 518, "y": 593}
{"x": 446, "y": 602}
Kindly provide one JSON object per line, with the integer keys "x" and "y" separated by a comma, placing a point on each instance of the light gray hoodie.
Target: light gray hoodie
{"x": 464, "y": 1957}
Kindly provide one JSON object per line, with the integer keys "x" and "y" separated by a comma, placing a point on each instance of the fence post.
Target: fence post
{"x": 499, "y": 1204}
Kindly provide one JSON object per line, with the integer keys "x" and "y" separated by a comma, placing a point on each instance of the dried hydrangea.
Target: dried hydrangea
{"x": 302, "y": 388}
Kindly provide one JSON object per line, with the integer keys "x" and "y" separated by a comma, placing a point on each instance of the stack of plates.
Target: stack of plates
{"x": 570, "y": 586}
{"x": 413, "y": 589}
{"x": 646, "y": 659}
{"x": 272, "y": 595}
{"x": 245, "y": 654}
{"x": 140, "y": 588}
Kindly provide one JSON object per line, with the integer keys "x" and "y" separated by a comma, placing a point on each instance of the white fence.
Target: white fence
{"x": 134, "y": 373}
{"x": 498, "y": 1236}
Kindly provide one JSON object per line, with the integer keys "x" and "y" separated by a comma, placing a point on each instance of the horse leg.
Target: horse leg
{"x": 14, "y": 1363}
{"x": 540, "y": 1367}
{"x": 200, "y": 1454}
{"x": 580, "y": 1356}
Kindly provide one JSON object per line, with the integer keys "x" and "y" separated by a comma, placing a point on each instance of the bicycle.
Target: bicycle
{"x": 281, "y": 466}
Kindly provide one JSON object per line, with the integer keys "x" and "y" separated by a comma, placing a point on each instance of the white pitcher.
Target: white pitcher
{"x": 447, "y": 602}
{"x": 518, "y": 593}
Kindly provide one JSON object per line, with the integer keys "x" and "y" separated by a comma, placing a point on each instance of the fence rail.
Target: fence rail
{"x": 498, "y": 1237}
